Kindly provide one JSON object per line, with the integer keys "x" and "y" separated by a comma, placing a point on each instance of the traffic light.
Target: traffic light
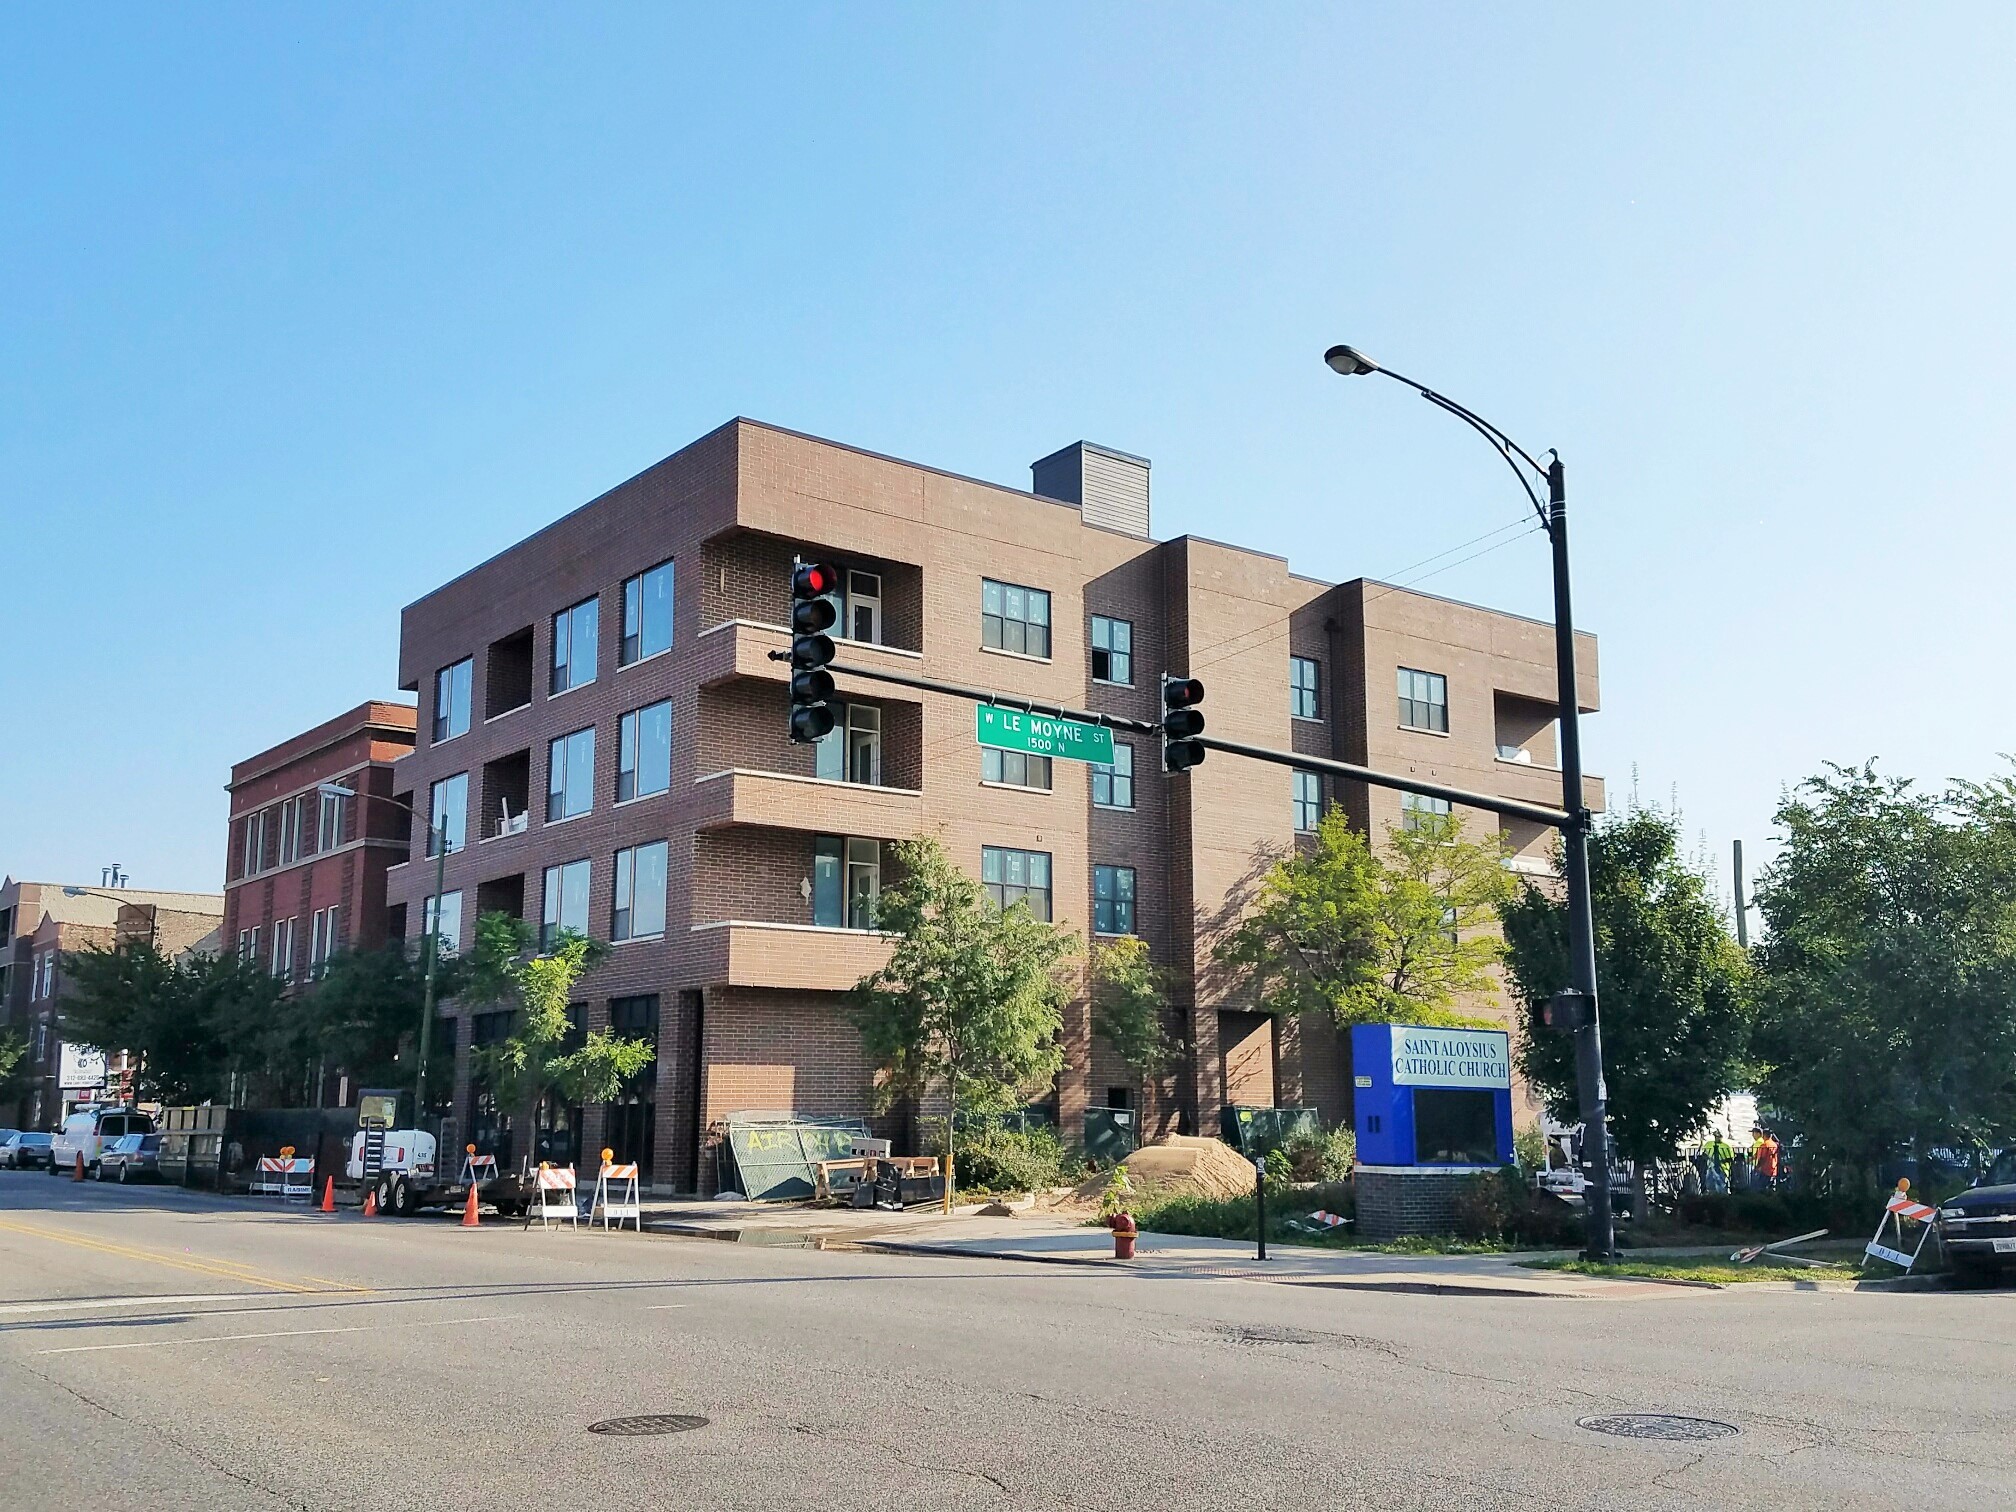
{"x": 1182, "y": 723}
{"x": 1567, "y": 1010}
{"x": 812, "y": 614}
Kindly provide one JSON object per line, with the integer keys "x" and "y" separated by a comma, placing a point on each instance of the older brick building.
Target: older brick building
{"x": 610, "y": 755}
{"x": 304, "y": 870}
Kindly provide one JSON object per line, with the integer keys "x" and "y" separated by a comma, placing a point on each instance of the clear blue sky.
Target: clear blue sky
{"x": 308, "y": 310}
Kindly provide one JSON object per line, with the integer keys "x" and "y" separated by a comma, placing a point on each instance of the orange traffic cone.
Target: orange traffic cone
{"x": 469, "y": 1211}
{"x": 371, "y": 1202}
{"x": 329, "y": 1195}
{"x": 78, "y": 1174}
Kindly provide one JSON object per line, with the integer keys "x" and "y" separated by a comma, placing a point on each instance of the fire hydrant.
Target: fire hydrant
{"x": 1124, "y": 1234}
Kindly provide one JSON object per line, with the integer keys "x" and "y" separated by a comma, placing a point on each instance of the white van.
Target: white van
{"x": 88, "y": 1131}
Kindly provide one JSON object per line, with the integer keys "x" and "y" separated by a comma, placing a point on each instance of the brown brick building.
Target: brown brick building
{"x": 305, "y": 871}
{"x": 609, "y": 754}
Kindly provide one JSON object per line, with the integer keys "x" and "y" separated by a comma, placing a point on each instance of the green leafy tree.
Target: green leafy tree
{"x": 1130, "y": 999}
{"x": 971, "y": 1002}
{"x": 1339, "y": 930}
{"x": 13, "y": 1052}
{"x": 191, "y": 1024}
{"x": 1887, "y": 1013}
{"x": 534, "y": 1058}
{"x": 1672, "y": 985}
{"x": 363, "y": 1015}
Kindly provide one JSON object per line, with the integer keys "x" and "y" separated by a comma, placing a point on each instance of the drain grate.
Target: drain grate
{"x": 657, "y": 1422}
{"x": 1657, "y": 1425}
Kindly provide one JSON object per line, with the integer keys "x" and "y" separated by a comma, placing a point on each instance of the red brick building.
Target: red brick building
{"x": 305, "y": 870}
{"x": 610, "y": 755}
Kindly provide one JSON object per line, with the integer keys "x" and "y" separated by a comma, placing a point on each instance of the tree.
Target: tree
{"x": 1887, "y": 1011}
{"x": 13, "y": 1051}
{"x": 971, "y": 1002}
{"x": 1130, "y": 995}
{"x": 534, "y": 1058}
{"x": 364, "y": 1013}
{"x": 1339, "y": 930}
{"x": 192, "y": 1025}
{"x": 1672, "y": 986}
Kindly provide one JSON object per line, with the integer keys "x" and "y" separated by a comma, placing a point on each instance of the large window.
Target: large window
{"x": 1013, "y": 618}
{"x": 861, "y": 616}
{"x": 574, "y": 646}
{"x": 566, "y": 903}
{"x": 846, "y": 881}
{"x": 1112, "y": 650}
{"x": 451, "y": 700}
{"x": 1014, "y": 768}
{"x": 450, "y": 813}
{"x": 1305, "y": 687}
{"x": 1424, "y": 700}
{"x": 647, "y": 615}
{"x": 640, "y": 892}
{"x": 852, "y": 750}
{"x": 255, "y": 843}
{"x": 1308, "y": 802}
{"x": 1113, "y": 786}
{"x": 283, "y": 949}
{"x": 1418, "y": 810}
{"x": 290, "y": 831}
{"x": 644, "y": 751}
{"x": 329, "y": 824}
{"x": 451, "y": 921}
{"x": 1113, "y": 900}
{"x": 570, "y": 776}
{"x": 1017, "y": 876}
{"x": 321, "y": 940}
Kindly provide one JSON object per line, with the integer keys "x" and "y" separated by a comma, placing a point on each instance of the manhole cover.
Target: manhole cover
{"x": 659, "y": 1422}
{"x": 1657, "y": 1425}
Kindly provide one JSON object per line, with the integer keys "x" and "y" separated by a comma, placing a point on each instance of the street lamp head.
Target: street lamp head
{"x": 335, "y": 790}
{"x": 1348, "y": 362}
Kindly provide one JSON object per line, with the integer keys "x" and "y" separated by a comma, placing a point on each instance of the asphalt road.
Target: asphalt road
{"x": 162, "y": 1349}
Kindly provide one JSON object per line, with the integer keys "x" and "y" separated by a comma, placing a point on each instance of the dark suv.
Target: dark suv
{"x": 1977, "y": 1229}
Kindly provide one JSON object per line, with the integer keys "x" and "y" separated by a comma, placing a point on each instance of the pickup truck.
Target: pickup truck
{"x": 1977, "y": 1229}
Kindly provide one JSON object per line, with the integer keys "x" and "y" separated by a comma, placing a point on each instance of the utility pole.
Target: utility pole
{"x": 1742, "y": 908}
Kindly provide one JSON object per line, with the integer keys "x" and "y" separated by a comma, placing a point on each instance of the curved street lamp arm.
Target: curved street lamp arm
{"x": 1499, "y": 444}
{"x": 1498, "y": 437}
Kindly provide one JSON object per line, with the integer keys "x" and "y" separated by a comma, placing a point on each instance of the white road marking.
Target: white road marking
{"x": 287, "y": 1333}
{"x": 87, "y": 1304}
{"x": 668, "y": 1306}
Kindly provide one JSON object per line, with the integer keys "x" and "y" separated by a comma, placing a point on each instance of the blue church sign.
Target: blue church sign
{"x": 1431, "y": 1097}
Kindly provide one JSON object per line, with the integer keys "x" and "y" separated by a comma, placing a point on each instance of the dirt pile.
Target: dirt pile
{"x": 1180, "y": 1166}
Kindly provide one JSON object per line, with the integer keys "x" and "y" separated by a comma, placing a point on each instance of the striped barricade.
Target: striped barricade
{"x": 477, "y": 1168}
{"x": 616, "y": 1195}
{"x": 284, "y": 1176}
{"x": 554, "y": 1198}
{"x": 1902, "y": 1208}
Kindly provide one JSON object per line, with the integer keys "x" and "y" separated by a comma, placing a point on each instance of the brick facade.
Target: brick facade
{"x": 743, "y": 810}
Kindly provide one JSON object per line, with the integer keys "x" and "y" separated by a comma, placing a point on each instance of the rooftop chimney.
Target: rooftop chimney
{"x": 1109, "y": 487}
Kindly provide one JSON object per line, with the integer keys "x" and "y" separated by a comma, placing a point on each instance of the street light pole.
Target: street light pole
{"x": 1591, "y": 1093}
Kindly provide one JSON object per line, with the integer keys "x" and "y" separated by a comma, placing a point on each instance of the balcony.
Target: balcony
{"x": 750, "y": 953}
{"x": 777, "y": 800}
{"x": 741, "y": 648}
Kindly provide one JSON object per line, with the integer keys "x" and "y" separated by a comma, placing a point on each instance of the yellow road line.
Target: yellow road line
{"x": 226, "y": 1269}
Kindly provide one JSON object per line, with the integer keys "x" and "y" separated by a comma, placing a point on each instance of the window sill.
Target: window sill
{"x": 1423, "y": 730}
{"x": 639, "y": 939}
{"x": 1114, "y": 808}
{"x": 490, "y": 719}
{"x": 1111, "y": 682}
{"x": 566, "y": 819}
{"x": 1315, "y": 719}
{"x": 641, "y": 798}
{"x": 576, "y": 688}
{"x": 1114, "y": 934}
{"x": 1018, "y": 787}
{"x": 623, "y": 666}
{"x": 1042, "y": 661}
{"x": 435, "y": 745}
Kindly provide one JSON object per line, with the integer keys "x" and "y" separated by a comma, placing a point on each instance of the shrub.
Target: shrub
{"x": 1499, "y": 1207}
{"x": 1232, "y": 1217}
{"x": 995, "y": 1159}
{"x": 1322, "y": 1157}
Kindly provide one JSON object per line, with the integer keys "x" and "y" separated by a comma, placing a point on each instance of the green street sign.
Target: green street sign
{"x": 1041, "y": 735}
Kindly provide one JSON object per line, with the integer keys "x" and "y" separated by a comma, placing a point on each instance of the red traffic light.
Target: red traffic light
{"x": 813, "y": 581}
{"x": 1181, "y": 692}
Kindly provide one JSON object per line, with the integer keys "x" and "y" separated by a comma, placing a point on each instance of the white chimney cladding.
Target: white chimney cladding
{"x": 1109, "y": 487}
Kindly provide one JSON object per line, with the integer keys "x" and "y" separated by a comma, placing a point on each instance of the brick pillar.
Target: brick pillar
{"x": 1204, "y": 1079}
{"x": 1074, "y": 1080}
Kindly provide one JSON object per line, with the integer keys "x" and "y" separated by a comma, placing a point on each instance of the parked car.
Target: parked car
{"x": 131, "y": 1157}
{"x": 1977, "y": 1229}
{"x": 25, "y": 1151}
{"x": 87, "y": 1131}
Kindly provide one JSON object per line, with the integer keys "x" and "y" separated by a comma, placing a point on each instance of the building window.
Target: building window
{"x": 321, "y": 940}
{"x": 643, "y": 751}
{"x": 329, "y": 823}
{"x": 1417, "y": 807}
{"x": 451, "y": 700}
{"x": 1013, "y": 618}
{"x": 1014, "y": 768}
{"x": 647, "y": 615}
{"x": 574, "y": 646}
{"x": 640, "y": 892}
{"x": 1424, "y": 700}
{"x": 862, "y": 619}
{"x": 852, "y": 750}
{"x": 248, "y": 944}
{"x": 283, "y": 949}
{"x": 1112, "y": 650}
{"x": 451, "y": 921}
{"x": 1308, "y": 802}
{"x": 846, "y": 882}
{"x": 566, "y": 902}
{"x": 255, "y": 842}
{"x": 1305, "y": 687}
{"x": 290, "y": 832}
{"x": 631, "y": 1127}
{"x": 1113, "y": 900}
{"x": 570, "y": 776}
{"x": 1017, "y": 876}
{"x": 450, "y": 822}
{"x": 1113, "y": 786}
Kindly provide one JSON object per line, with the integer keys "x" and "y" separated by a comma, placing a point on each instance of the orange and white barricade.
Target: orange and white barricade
{"x": 554, "y": 1197}
{"x": 616, "y": 1195}
{"x": 284, "y": 1176}
{"x": 477, "y": 1168}
{"x": 1902, "y": 1208}
{"x": 297, "y": 1180}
